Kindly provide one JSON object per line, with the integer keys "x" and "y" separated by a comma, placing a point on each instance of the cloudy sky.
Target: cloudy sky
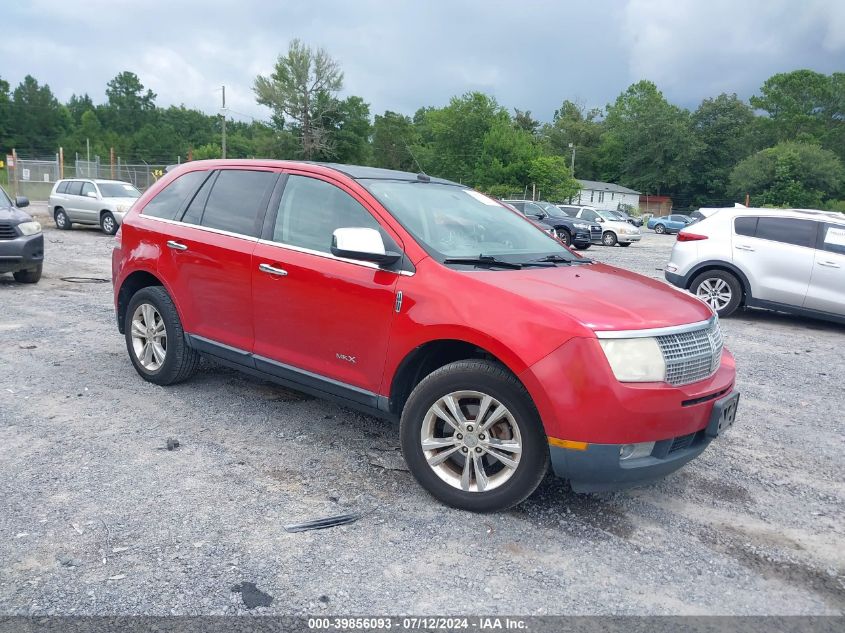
{"x": 401, "y": 55}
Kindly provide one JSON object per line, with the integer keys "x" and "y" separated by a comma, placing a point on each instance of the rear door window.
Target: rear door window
{"x": 168, "y": 202}
{"x": 788, "y": 231}
{"x": 238, "y": 200}
{"x": 833, "y": 238}
{"x": 745, "y": 226}
{"x": 74, "y": 188}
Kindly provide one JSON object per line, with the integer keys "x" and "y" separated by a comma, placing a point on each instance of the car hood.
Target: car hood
{"x": 13, "y": 214}
{"x": 601, "y": 297}
{"x": 615, "y": 225}
{"x": 124, "y": 202}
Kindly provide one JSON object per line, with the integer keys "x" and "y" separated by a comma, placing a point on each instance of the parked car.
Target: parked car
{"x": 21, "y": 240}
{"x": 569, "y": 231}
{"x": 669, "y": 223}
{"x": 420, "y": 300}
{"x": 786, "y": 260}
{"x": 612, "y": 230}
{"x": 630, "y": 219}
{"x": 100, "y": 203}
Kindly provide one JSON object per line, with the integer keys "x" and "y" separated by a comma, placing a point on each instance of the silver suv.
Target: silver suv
{"x": 789, "y": 260}
{"x": 100, "y": 203}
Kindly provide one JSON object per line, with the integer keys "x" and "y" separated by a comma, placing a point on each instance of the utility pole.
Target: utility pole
{"x": 572, "y": 162}
{"x": 223, "y": 114}
{"x": 88, "y": 157}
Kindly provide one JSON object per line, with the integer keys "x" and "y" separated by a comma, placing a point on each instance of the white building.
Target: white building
{"x": 606, "y": 196}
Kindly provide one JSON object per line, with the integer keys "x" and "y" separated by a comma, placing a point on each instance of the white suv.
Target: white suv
{"x": 789, "y": 260}
{"x": 96, "y": 202}
{"x": 613, "y": 230}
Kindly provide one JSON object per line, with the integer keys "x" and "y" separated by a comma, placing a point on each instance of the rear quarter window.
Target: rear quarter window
{"x": 168, "y": 202}
{"x": 833, "y": 238}
{"x": 745, "y": 226}
{"x": 62, "y": 188}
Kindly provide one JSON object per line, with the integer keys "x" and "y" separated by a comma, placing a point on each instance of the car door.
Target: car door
{"x": 72, "y": 199}
{"x": 206, "y": 255}
{"x": 319, "y": 319}
{"x": 776, "y": 254}
{"x": 827, "y": 281}
{"x": 88, "y": 204}
{"x": 678, "y": 222}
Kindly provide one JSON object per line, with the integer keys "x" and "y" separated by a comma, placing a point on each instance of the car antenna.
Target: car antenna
{"x": 421, "y": 176}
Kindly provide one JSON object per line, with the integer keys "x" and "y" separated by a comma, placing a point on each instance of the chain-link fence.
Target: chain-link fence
{"x": 34, "y": 177}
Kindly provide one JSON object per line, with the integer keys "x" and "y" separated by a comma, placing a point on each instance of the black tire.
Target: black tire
{"x": 489, "y": 378}
{"x": 29, "y": 276}
{"x": 660, "y": 229}
{"x": 732, "y": 282}
{"x": 624, "y": 243}
{"x": 609, "y": 238}
{"x": 180, "y": 361}
{"x": 62, "y": 220}
{"x": 564, "y": 236}
{"x": 583, "y": 247}
{"x": 108, "y": 224}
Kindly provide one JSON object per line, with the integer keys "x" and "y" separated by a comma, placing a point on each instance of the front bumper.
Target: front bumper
{"x": 21, "y": 253}
{"x": 631, "y": 237}
{"x": 600, "y": 468}
{"x": 581, "y": 238}
{"x": 118, "y": 216}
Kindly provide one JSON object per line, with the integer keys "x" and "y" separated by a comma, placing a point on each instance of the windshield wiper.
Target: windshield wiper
{"x": 482, "y": 260}
{"x": 557, "y": 259}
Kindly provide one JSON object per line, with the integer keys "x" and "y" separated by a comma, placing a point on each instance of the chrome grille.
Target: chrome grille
{"x": 7, "y": 231}
{"x": 692, "y": 356}
{"x": 595, "y": 233}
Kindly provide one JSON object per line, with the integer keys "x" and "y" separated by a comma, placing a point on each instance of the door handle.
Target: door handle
{"x": 176, "y": 246}
{"x": 267, "y": 268}
{"x": 743, "y": 247}
{"x": 830, "y": 264}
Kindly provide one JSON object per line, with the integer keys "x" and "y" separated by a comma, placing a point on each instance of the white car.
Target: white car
{"x": 790, "y": 260}
{"x": 96, "y": 202}
{"x": 613, "y": 230}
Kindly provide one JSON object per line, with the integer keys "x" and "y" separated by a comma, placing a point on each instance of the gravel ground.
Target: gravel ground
{"x": 98, "y": 517}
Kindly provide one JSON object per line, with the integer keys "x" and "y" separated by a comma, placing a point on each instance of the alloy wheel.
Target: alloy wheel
{"x": 715, "y": 292}
{"x": 471, "y": 441}
{"x": 108, "y": 224}
{"x": 149, "y": 337}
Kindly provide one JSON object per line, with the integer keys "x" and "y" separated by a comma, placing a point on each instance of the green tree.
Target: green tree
{"x": 523, "y": 120}
{"x": 796, "y": 104}
{"x": 37, "y": 120}
{"x": 551, "y": 176}
{"x": 393, "y": 136}
{"x": 5, "y": 116}
{"x": 648, "y": 143}
{"x": 574, "y": 124}
{"x": 789, "y": 174}
{"x": 348, "y": 132}
{"x": 303, "y": 88}
{"x": 723, "y": 128}
{"x": 77, "y": 106}
{"x": 129, "y": 106}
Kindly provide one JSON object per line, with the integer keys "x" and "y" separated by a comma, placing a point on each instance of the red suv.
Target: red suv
{"x": 420, "y": 300}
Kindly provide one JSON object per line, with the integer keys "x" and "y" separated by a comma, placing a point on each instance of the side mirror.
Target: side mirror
{"x": 363, "y": 244}
{"x": 537, "y": 216}
{"x": 21, "y": 202}
{"x": 91, "y": 194}
{"x": 599, "y": 219}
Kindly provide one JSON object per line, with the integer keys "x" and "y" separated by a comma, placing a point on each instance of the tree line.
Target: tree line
{"x": 785, "y": 146}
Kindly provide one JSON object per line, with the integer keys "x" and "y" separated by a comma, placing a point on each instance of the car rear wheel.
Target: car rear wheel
{"x": 62, "y": 221}
{"x": 609, "y": 238}
{"x": 472, "y": 437}
{"x": 108, "y": 224}
{"x": 155, "y": 339}
{"x": 719, "y": 289}
{"x": 660, "y": 229}
{"x": 29, "y": 276}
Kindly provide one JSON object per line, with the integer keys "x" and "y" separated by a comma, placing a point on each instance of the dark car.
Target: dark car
{"x": 570, "y": 231}
{"x": 21, "y": 241}
{"x": 627, "y": 218}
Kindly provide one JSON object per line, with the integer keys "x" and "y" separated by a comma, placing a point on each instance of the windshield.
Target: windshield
{"x": 5, "y": 201}
{"x": 607, "y": 215}
{"x": 450, "y": 221}
{"x": 118, "y": 190}
{"x": 552, "y": 210}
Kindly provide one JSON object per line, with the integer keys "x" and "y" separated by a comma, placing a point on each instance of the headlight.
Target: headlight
{"x": 581, "y": 225}
{"x": 29, "y": 228}
{"x": 122, "y": 208}
{"x": 635, "y": 359}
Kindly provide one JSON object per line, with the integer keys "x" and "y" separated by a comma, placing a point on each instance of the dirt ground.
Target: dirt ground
{"x": 98, "y": 517}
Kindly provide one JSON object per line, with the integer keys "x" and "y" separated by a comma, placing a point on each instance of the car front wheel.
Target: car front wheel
{"x": 660, "y": 229}
{"x": 28, "y": 276}
{"x": 108, "y": 224}
{"x": 472, "y": 437}
{"x": 564, "y": 236}
{"x": 719, "y": 289}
